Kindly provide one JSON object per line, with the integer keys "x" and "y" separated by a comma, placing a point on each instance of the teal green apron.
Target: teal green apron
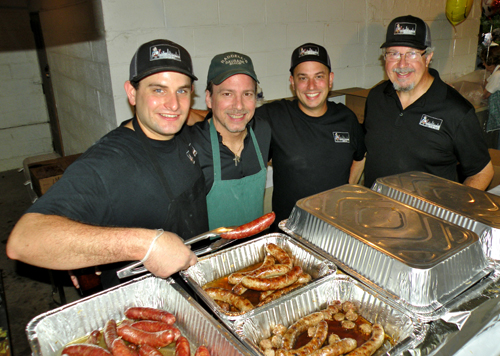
{"x": 235, "y": 202}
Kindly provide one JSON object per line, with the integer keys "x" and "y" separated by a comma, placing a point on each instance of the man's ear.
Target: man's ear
{"x": 208, "y": 99}
{"x": 330, "y": 80}
{"x": 131, "y": 92}
{"x": 292, "y": 83}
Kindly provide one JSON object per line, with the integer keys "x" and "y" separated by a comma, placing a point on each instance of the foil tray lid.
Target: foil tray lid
{"x": 421, "y": 260}
{"x": 470, "y": 208}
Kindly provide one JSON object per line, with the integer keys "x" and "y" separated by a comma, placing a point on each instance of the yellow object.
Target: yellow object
{"x": 458, "y": 10}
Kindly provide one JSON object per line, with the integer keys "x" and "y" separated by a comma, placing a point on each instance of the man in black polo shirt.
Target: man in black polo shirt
{"x": 416, "y": 122}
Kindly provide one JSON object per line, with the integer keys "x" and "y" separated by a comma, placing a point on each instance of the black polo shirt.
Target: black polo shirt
{"x": 434, "y": 134}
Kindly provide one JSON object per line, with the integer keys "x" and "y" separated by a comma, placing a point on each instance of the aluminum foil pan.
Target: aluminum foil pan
{"x": 470, "y": 208}
{"x": 405, "y": 331}
{"x": 49, "y": 332}
{"x": 421, "y": 261}
{"x": 223, "y": 263}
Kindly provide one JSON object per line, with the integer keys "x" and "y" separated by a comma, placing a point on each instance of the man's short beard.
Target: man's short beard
{"x": 400, "y": 88}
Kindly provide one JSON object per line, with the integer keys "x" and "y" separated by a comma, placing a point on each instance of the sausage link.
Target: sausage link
{"x": 153, "y": 326}
{"x": 94, "y": 337}
{"x": 202, "y": 351}
{"x": 251, "y": 228}
{"x": 85, "y": 350}
{"x": 144, "y": 313}
{"x": 223, "y": 305}
{"x": 337, "y": 348}
{"x": 264, "y": 272}
{"x": 299, "y": 327}
{"x": 281, "y": 255}
{"x": 236, "y": 277}
{"x": 317, "y": 340}
{"x": 372, "y": 345}
{"x": 110, "y": 333}
{"x": 278, "y": 293}
{"x": 119, "y": 348}
{"x": 147, "y": 350}
{"x": 239, "y": 302}
{"x": 182, "y": 347}
{"x": 141, "y": 337}
{"x": 263, "y": 284}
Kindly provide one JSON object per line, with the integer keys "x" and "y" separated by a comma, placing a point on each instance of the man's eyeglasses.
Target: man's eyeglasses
{"x": 409, "y": 56}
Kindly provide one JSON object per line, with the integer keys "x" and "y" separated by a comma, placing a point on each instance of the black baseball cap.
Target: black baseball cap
{"x": 227, "y": 64}
{"x": 310, "y": 52}
{"x": 408, "y": 31}
{"x": 160, "y": 56}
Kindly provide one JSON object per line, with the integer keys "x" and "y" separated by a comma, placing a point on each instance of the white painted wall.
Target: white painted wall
{"x": 24, "y": 128}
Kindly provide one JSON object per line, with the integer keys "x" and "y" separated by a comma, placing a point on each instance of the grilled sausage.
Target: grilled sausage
{"x": 315, "y": 343}
{"x": 94, "y": 337}
{"x": 182, "y": 347}
{"x": 251, "y": 228}
{"x": 153, "y": 326}
{"x": 299, "y": 327}
{"x": 144, "y": 313}
{"x": 264, "y": 272}
{"x": 141, "y": 337}
{"x": 202, "y": 351}
{"x": 227, "y": 296}
{"x": 85, "y": 350}
{"x": 337, "y": 348}
{"x": 280, "y": 254}
{"x": 372, "y": 345}
{"x": 263, "y": 284}
{"x": 110, "y": 333}
{"x": 147, "y": 350}
{"x": 270, "y": 295}
{"x": 119, "y": 348}
{"x": 236, "y": 277}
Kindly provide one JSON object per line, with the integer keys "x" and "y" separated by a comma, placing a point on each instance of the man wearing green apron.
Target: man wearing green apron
{"x": 231, "y": 143}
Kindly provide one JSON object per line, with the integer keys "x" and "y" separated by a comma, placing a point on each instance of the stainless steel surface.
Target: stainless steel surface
{"x": 223, "y": 263}
{"x": 49, "y": 332}
{"x": 470, "y": 208}
{"x": 137, "y": 268}
{"x": 418, "y": 260}
{"x": 405, "y": 330}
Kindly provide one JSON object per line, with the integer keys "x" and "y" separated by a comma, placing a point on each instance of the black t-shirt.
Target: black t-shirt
{"x": 434, "y": 134}
{"x": 248, "y": 165}
{"x": 310, "y": 154}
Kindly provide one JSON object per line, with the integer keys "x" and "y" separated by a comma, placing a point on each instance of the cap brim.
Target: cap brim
{"x": 403, "y": 44}
{"x": 221, "y": 77}
{"x": 162, "y": 69}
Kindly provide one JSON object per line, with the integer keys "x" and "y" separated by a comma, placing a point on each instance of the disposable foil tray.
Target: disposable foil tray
{"x": 223, "y": 263}
{"x": 470, "y": 208}
{"x": 405, "y": 331}
{"x": 49, "y": 332}
{"x": 419, "y": 260}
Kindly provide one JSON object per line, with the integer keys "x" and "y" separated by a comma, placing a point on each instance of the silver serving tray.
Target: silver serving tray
{"x": 48, "y": 333}
{"x": 418, "y": 260}
{"x": 470, "y": 208}
{"x": 223, "y": 263}
{"x": 405, "y": 330}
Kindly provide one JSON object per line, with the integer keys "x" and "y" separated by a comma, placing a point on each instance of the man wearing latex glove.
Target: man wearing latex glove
{"x": 416, "y": 122}
{"x": 111, "y": 204}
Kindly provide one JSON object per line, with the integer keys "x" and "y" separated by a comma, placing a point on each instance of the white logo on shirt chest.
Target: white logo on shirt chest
{"x": 341, "y": 137}
{"x": 431, "y": 122}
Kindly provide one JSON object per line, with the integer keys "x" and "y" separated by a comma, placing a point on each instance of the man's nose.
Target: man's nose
{"x": 171, "y": 102}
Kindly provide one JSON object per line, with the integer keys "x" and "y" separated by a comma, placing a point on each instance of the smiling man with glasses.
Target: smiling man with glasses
{"x": 415, "y": 121}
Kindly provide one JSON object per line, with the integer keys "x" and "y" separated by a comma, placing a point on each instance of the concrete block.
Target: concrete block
{"x": 286, "y": 11}
{"x": 325, "y": 11}
{"x": 25, "y": 70}
{"x": 274, "y": 35}
{"x": 99, "y": 50}
{"x": 204, "y": 40}
{"x": 240, "y": 12}
{"x": 13, "y": 57}
{"x": 276, "y": 87}
{"x": 129, "y": 15}
{"x": 5, "y": 72}
{"x": 342, "y": 33}
{"x": 301, "y": 33}
{"x": 81, "y": 50}
{"x": 278, "y": 62}
{"x": 201, "y": 13}
{"x": 355, "y": 11}
{"x": 350, "y": 56}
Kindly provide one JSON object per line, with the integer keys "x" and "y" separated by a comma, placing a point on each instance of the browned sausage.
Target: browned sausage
{"x": 315, "y": 343}
{"x": 141, "y": 337}
{"x": 182, "y": 347}
{"x": 227, "y": 296}
{"x": 147, "y": 350}
{"x": 281, "y": 255}
{"x": 299, "y": 327}
{"x": 144, "y": 313}
{"x": 337, "y": 348}
{"x": 236, "y": 277}
{"x": 372, "y": 345}
{"x": 110, "y": 333}
{"x": 153, "y": 326}
{"x": 263, "y": 284}
{"x": 223, "y": 305}
{"x": 264, "y": 272}
{"x": 202, "y": 351}
{"x": 94, "y": 337}
{"x": 251, "y": 228}
{"x": 85, "y": 350}
{"x": 119, "y": 348}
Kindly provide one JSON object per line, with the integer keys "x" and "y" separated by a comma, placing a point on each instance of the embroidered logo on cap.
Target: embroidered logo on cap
{"x": 234, "y": 59}
{"x": 341, "y": 137}
{"x": 309, "y": 51}
{"x": 164, "y": 52}
{"x": 405, "y": 28}
{"x": 430, "y": 122}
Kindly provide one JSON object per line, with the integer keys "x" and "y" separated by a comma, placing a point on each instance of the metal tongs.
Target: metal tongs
{"x": 137, "y": 267}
